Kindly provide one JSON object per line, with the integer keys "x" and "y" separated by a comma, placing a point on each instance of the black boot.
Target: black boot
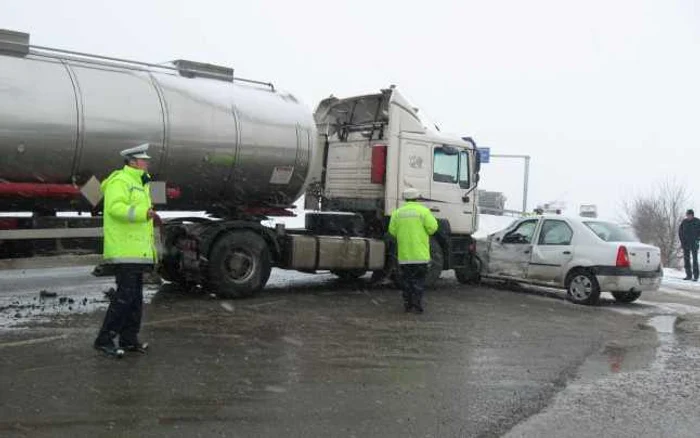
{"x": 109, "y": 350}
{"x": 135, "y": 347}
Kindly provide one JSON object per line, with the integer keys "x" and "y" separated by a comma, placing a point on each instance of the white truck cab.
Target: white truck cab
{"x": 372, "y": 147}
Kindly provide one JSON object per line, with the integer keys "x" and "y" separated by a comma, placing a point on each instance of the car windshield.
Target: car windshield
{"x": 610, "y": 232}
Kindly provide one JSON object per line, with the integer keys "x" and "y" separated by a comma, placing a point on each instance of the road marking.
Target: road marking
{"x": 32, "y": 341}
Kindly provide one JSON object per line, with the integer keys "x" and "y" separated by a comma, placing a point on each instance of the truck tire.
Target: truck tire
{"x": 582, "y": 287}
{"x": 470, "y": 275}
{"x": 349, "y": 275}
{"x": 626, "y": 296}
{"x": 239, "y": 264}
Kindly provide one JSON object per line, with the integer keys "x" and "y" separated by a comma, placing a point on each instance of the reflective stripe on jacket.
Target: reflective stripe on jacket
{"x": 412, "y": 225}
{"x": 128, "y": 233}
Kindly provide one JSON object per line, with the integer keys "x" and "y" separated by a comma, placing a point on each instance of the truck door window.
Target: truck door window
{"x": 464, "y": 169}
{"x": 445, "y": 167}
{"x": 555, "y": 233}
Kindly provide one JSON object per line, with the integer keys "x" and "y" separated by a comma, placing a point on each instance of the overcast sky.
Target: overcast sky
{"x": 604, "y": 95}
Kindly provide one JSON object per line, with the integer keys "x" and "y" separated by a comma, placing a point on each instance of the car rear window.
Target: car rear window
{"x": 610, "y": 232}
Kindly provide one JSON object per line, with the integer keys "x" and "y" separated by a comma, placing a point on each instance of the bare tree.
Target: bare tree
{"x": 655, "y": 218}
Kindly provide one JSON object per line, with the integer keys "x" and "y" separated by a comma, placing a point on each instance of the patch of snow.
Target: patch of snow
{"x": 673, "y": 283}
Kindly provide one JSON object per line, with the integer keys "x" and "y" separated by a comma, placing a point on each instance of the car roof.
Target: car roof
{"x": 561, "y": 216}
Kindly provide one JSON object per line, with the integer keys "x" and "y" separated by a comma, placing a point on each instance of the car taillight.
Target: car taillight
{"x": 378, "y": 164}
{"x": 623, "y": 258}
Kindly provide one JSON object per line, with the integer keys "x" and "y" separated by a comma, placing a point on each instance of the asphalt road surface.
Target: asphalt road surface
{"x": 313, "y": 357}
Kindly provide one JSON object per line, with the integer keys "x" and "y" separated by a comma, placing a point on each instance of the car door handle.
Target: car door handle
{"x": 434, "y": 209}
{"x": 567, "y": 252}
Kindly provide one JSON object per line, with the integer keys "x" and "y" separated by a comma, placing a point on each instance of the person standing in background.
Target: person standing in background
{"x": 689, "y": 234}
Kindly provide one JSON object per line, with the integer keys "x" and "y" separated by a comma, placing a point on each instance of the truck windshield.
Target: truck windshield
{"x": 610, "y": 232}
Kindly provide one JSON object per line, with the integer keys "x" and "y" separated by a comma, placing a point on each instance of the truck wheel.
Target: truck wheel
{"x": 349, "y": 275}
{"x": 437, "y": 263}
{"x": 626, "y": 296}
{"x": 239, "y": 264}
{"x": 470, "y": 275}
{"x": 582, "y": 287}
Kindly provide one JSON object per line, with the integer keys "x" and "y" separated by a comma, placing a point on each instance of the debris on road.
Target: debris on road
{"x": 227, "y": 306}
{"x": 47, "y": 294}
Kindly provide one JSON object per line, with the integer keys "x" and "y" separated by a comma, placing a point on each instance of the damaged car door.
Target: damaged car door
{"x": 510, "y": 252}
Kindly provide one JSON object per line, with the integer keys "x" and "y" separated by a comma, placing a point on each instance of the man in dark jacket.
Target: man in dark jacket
{"x": 689, "y": 233}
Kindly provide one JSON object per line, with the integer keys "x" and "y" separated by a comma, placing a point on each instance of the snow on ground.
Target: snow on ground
{"x": 673, "y": 283}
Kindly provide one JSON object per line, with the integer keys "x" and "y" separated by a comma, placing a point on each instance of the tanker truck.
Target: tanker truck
{"x": 239, "y": 149}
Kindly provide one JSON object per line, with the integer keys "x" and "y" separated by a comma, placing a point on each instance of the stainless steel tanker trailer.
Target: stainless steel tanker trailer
{"x": 239, "y": 149}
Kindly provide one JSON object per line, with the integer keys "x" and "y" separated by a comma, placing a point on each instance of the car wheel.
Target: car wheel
{"x": 626, "y": 296}
{"x": 582, "y": 287}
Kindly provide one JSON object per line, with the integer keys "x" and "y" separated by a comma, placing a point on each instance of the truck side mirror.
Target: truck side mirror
{"x": 477, "y": 154}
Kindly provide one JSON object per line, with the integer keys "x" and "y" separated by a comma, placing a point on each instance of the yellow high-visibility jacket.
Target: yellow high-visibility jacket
{"x": 128, "y": 233}
{"x": 412, "y": 225}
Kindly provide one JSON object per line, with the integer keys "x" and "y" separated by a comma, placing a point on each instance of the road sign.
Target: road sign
{"x": 485, "y": 154}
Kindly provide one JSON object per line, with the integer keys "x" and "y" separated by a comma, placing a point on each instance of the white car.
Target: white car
{"x": 584, "y": 256}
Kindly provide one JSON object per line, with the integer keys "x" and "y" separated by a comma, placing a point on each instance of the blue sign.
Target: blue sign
{"x": 485, "y": 154}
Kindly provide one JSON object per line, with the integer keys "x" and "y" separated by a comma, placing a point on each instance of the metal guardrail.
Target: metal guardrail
{"x": 500, "y": 212}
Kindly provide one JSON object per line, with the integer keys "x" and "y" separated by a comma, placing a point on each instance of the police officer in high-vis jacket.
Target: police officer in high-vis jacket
{"x": 412, "y": 225}
{"x": 129, "y": 246}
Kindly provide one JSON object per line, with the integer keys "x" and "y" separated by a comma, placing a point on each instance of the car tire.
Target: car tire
{"x": 253, "y": 265}
{"x": 626, "y": 296}
{"x": 582, "y": 287}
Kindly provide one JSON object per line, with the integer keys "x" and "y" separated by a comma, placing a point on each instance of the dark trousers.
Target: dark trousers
{"x": 123, "y": 316}
{"x": 689, "y": 250}
{"x": 413, "y": 285}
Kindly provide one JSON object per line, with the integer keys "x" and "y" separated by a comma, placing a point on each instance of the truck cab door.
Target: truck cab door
{"x": 447, "y": 186}
{"x": 510, "y": 251}
{"x": 413, "y": 170}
